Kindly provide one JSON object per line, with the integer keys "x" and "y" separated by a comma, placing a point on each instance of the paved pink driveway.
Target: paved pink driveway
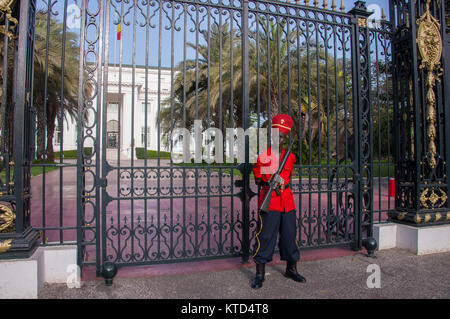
{"x": 189, "y": 222}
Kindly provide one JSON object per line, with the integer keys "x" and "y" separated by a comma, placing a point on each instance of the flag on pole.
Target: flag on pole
{"x": 119, "y": 30}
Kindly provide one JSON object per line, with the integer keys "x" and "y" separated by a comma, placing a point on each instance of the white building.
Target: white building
{"x": 129, "y": 105}
{"x": 132, "y": 114}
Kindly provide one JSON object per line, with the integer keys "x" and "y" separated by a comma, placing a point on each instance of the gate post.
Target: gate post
{"x": 20, "y": 239}
{"x": 362, "y": 123}
{"x": 245, "y": 123}
{"x": 88, "y": 165}
{"x": 421, "y": 105}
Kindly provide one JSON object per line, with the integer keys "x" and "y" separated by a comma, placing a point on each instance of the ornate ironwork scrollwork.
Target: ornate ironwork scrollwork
{"x": 8, "y": 217}
{"x": 433, "y": 199}
{"x": 429, "y": 42}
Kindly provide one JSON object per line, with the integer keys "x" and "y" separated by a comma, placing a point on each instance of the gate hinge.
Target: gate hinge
{"x": 102, "y": 182}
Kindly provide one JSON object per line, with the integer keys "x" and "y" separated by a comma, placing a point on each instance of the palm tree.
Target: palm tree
{"x": 203, "y": 87}
{"x": 272, "y": 75}
{"x": 297, "y": 78}
{"x": 275, "y": 59}
{"x": 61, "y": 88}
{"x": 324, "y": 91}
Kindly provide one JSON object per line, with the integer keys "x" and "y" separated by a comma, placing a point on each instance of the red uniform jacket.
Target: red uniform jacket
{"x": 285, "y": 202}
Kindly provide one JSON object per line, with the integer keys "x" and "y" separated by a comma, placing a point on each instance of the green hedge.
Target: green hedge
{"x": 140, "y": 154}
{"x": 72, "y": 154}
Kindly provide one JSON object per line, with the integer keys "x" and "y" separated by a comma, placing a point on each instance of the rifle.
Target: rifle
{"x": 275, "y": 181}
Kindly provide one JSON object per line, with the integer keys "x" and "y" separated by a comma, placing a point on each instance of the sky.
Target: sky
{"x": 154, "y": 50}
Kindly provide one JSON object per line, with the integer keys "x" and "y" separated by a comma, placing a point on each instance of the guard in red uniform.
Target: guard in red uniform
{"x": 281, "y": 218}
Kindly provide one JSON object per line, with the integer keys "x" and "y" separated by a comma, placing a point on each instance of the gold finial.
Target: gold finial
{"x": 325, "y": 4}
{"x": 316, "y": 3}
{"x": 333, "y": 5}
{"x": 383, "y": 15}
{"x": 342, "y": 6}
{"x": 306, "y": 2}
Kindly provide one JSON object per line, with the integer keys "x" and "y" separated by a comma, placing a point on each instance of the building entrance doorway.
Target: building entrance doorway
{"x": 113, "y": 134}
{"x": 112, "y": 126}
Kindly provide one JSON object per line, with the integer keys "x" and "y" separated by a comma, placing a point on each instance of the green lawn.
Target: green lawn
{"x": 72, "y": 154}
{"x": 36, "y": 170}
{"x": 380, "y": 169}
{"x": 140, "y": 154}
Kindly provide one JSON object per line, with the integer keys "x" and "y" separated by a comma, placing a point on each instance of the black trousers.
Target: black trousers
{"x": 269, "y": 226}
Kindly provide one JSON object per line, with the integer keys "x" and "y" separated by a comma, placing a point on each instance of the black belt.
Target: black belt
{"x": 282, "y": 187}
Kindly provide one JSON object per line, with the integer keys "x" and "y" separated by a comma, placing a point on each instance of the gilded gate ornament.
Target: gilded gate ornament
{"x": 429, "y": 42}
{"x": 362, "y": 22}
{"x": 5, "y": 245}
{"x": 5, "y": 14}
{"x": 433, "y": 199}
{"x": 6, "y": 9}
{"x": 7, "y": 216}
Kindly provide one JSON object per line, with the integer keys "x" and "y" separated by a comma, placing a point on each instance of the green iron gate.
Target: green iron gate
{"x": 155, "y": 67}
{"x": 203, "y": 78}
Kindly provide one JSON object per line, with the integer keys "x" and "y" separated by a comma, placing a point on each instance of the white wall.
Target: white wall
{"x": 23, "y": 278}
{"x": 419, "y": 240}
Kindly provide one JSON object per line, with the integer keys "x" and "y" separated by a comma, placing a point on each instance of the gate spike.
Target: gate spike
{"x": 316, "y": 3}
{"x": 306, "y": 2}
{"x": 342, "y": 6}
{"x": 383, "y": 14}
{"x": 325, "y": 4}
{"x": 333, "y": 5}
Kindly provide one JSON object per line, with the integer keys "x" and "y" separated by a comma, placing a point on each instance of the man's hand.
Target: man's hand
{"x": 258, "y": 181}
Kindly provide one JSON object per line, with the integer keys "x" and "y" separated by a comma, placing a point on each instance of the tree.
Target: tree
{"x": 203, "y": 87}
{"x": 284, "y": 76}
{"x": 295, "y": 72}
{"x": 61, "y": 88}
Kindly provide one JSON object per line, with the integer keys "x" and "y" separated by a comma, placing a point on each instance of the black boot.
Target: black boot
{"x": 259, "y": 278}
{"x": 291, "y": 272}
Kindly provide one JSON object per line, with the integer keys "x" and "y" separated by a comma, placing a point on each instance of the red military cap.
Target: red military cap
{"x": 283, "y": 122}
